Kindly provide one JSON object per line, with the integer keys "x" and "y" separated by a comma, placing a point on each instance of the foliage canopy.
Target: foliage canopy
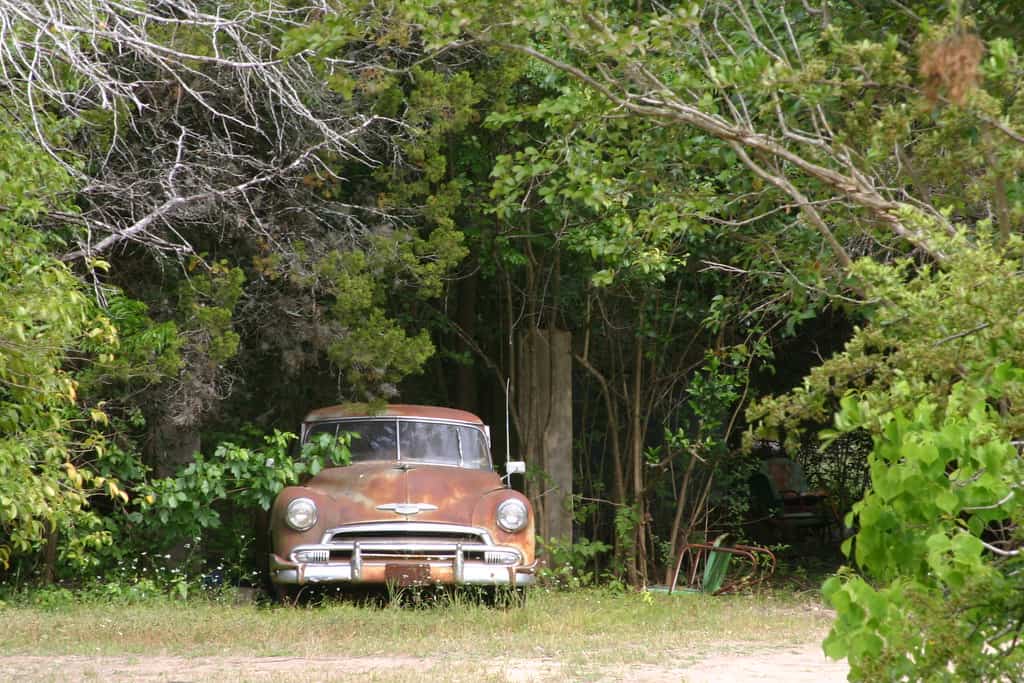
{"x": 328, "y": 200}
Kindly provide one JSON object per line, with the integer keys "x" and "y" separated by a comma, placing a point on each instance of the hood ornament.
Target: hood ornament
{"x": 407, "y": 508}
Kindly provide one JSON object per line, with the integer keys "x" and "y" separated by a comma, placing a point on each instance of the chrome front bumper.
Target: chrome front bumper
{"x": 438, "y": 561}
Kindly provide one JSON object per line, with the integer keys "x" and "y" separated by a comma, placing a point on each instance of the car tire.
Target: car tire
{"x": 286, "y": 595}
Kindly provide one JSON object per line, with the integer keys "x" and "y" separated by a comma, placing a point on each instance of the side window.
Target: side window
{"x": 474, "y": 449}
{"x": 321, "y": 428}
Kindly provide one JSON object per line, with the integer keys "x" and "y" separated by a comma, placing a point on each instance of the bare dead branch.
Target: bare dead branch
{"x": 211, "y": 73}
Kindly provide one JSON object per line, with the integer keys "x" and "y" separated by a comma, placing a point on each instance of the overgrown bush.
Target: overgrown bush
{"x": 942, "y": 595}
{"x": 570, "y": 565}
{"x": 195, "y": 523}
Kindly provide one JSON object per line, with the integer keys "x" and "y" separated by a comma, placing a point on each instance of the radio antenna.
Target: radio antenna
{"x": 508, "y": 443}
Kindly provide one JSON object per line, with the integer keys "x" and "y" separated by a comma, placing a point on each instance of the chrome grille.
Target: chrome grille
{"x": 407, "y": 533}
{"x": 385, "y": 542}
{"x": 313, "y": 556}
{"x": 500, "y": 557}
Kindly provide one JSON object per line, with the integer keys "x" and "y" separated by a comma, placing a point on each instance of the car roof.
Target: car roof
{"x": 347, "y": 410}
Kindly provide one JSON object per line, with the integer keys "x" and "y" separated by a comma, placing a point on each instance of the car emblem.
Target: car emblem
{"x": 407, "y": 508}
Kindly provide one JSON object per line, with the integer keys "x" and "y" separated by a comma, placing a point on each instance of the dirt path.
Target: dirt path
{"x": 797, "y": 664}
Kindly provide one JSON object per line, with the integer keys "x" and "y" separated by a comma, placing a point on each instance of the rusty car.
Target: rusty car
{"x": 419, "y": 504}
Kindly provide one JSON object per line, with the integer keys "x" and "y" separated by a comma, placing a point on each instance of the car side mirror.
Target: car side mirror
{"x": 515, "y": 467}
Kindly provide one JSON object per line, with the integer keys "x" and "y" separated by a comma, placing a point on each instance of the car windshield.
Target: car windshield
{"x": 411, "y": 441}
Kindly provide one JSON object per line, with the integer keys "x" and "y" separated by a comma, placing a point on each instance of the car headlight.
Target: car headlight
{"x": 512, "y": 515}
{"x": 301, "y": 514}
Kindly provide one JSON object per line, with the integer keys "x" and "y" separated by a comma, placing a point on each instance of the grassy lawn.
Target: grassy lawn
{"x": 578, "y": 630}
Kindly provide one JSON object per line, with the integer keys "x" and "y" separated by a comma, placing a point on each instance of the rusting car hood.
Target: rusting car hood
{"x": 392, "y": 491}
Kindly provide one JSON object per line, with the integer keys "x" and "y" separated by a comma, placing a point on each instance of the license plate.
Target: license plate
{"x": 407, "y": 574}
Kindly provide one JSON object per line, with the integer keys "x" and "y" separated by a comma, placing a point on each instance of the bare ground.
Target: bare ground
{"x": 802, "y": 663}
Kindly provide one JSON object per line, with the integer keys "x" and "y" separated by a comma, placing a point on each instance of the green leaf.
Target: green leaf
{"x": 947, "y": 501}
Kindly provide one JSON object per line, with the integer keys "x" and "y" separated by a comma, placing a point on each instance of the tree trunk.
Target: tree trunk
{"x": 465, "y": 373}
{"x": 171, "y": 446}
{"x": 618, "y": 476}
{"x": 544, "y": 398}
{"x": 675, "y": 542}
{"x": 50, "y": 553}
{"x": 637, "y": 456}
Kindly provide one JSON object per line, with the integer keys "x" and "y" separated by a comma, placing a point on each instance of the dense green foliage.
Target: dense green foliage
{"x": 756, "y": 220}
{"x": 892, "y": 135}
{"x": 938, "y": 537}
{"x": 46, "y": 312}
{"x": 219, "y": 307}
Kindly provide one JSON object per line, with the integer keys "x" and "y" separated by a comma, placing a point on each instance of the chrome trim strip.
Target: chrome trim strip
{"x": 407, "y": 508}
{"x": 360, "y": 549}
{"x": 356, "y": 572}
{"x": 403, "y": 418}
{"x": 397, "y": 528}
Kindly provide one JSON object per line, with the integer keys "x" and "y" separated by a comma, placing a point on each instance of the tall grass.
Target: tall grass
{"x": 578, "y": 628}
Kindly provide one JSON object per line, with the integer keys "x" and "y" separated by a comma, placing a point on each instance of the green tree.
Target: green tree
{"x": 884, "y": 132}
{"x": 45, "y": 315}
{"x": 629, "y": 244}
{"x": 933, "y": 378}
{"x": 228, "y": 219}
{"x": 938, "y": 542}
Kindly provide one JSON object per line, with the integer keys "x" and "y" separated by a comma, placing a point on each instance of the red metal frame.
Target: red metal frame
{"x": 761, "y": 560}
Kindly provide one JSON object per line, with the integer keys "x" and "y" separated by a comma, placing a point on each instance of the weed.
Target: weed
{"x": 591, "y": 625}
{"x": 570, "y": 565}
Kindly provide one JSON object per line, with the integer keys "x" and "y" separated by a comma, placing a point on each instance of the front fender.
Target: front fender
{"x": 485, "y": 516}
{"x": 282, "y": 537}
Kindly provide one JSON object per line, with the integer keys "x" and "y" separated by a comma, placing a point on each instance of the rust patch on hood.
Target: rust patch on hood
{"x": 358, "y": 490}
